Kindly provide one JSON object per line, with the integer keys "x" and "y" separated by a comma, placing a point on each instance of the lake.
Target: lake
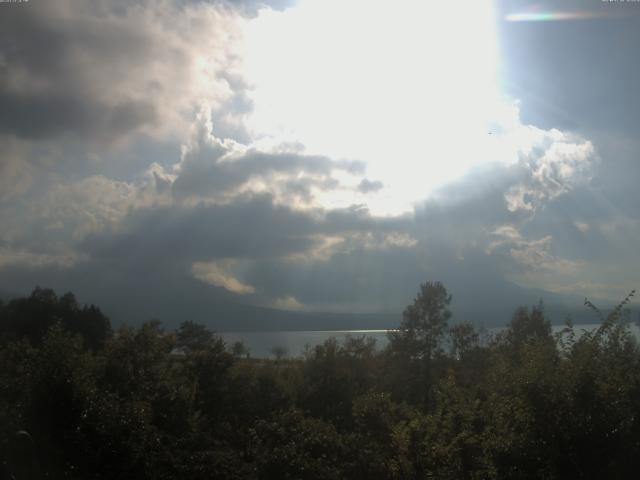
{"x": 260, "y": 344}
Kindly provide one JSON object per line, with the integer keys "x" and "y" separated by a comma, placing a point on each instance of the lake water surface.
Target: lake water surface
{"x": 261, "y": 344}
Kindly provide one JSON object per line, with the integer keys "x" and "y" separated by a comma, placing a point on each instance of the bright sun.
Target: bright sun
{"x": 407, "y": 86}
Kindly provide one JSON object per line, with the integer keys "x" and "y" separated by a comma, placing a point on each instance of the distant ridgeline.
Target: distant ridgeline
{"x": 233, "y": 317}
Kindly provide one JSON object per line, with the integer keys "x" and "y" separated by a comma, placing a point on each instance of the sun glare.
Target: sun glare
{"x": 409, "y": 87}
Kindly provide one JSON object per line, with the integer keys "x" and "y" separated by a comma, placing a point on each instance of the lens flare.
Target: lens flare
{"x": 558, "y": 16}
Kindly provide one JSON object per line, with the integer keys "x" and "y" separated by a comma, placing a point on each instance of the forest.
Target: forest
{"x": 82, "y": 400}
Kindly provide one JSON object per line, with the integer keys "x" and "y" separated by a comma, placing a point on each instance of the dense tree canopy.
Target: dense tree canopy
{"x": 33, "y": 316}
{"x": 439, "y": 402}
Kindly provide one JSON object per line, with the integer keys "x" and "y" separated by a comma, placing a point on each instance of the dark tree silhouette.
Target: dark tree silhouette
{"x": 524, "y": 405}
{"x": 424, "y": 323}
{"x": 32, "y": 316}
{"x": 193, "y": 336}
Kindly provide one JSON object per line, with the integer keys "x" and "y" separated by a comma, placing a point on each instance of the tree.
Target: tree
{"x": 529, "y": 327}
{"x": 424, "y": 323}
{"x": 279, "y": 352}
{"x": 31, "y": 317}
{"x": 193, "y": 336}
{"x": 415, "y": 345}
{"x": 293, "y": 446}
{"x": 463, "y": 338}
{"x": 239, "y": 349}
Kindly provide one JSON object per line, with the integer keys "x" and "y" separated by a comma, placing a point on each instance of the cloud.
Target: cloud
{"x": 104, "y": 71}
{"x": 127, "y": 163}
{"x": 550, "y": 66}
{"x": 288, "y": 303}
{"x": 24, "y": 259}
{"x": 55, "y": 220}
{"x": 306, "y": 257}
{"x": 595, "y": 290}
{"x": 219, "y": 276}
{"x": 251, "y": 7}
{"x": 38, "y": 115}
{"x": 369, "y": 186}
{"x": 248, "y": 218}
{"x": 536, "y": 255}
{"x": 220, "y": 200}
{"x": 211, "y": 168}
{"x": 16, "y": 176}
{"x": 529, "y": 254}
{"x": 582, "y": 226}
{"x": 222, "y": 214}
{"x": 250, "y": 227}
{"x": 556, "y": 164}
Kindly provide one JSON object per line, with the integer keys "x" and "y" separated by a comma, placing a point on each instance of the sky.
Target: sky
{"x": 168, "y": 158}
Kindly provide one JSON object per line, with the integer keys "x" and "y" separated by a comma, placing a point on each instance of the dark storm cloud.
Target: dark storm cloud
{"x": 357, "y": 278}
{"x": 616, "y": 179}
{"x": 586, "y": 225}
{"x": 375, "y": 265}
{"x": 444, "y": 239}
{"x": 202, "y": 173}
{"x": 253, "y": 227}
{"x": 474, "y": 201}
{"x": 322, "y": 258}
{"x": 575, "y": 74}
{"x": 43, "y": 93}
{"x": 107, "y": 70}
{"x": 582, "y": 75}
{"x": 38, "y": 116}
